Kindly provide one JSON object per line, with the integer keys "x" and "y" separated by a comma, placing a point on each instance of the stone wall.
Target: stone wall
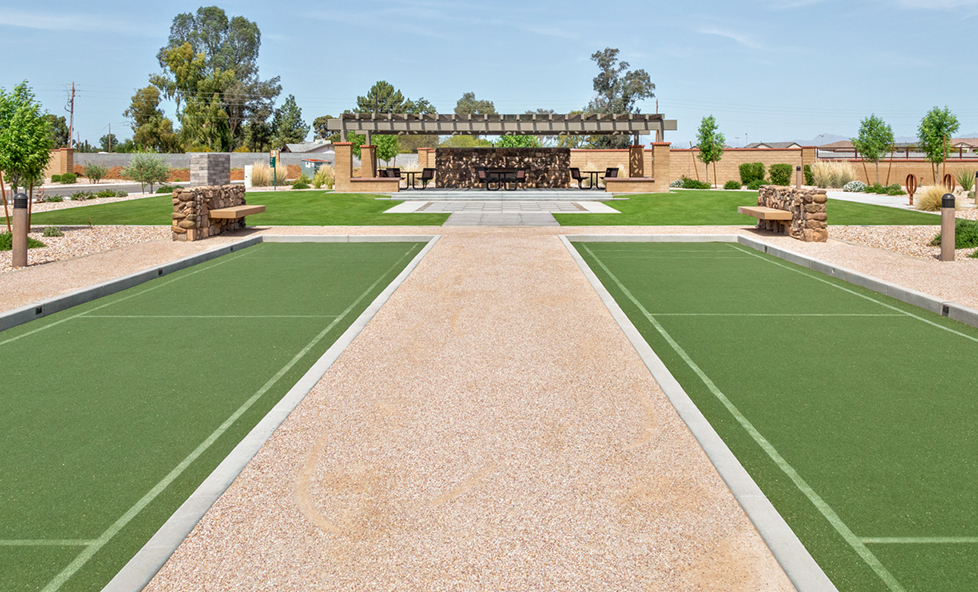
{"x": 191, "y": 208}
{"x": 809, "y": 221}
{"x": 208, "y": 169}
{"x": 545, "y": 167}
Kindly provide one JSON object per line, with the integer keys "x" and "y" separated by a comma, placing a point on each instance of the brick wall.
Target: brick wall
{"x": 61, "y": 162}
{"x": 686, "y": 162}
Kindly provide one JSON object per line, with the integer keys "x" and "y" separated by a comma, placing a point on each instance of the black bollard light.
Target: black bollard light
{"x": 947, "y": 227}
{"x": 20, "y": 229}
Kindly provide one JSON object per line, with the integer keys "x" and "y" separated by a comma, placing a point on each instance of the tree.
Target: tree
{"x": 469, "y": 104}
{"x": 151, "y": 129}
{"x": 108, "y": 142}
{"x": 381, "y": 98}
{"x": 229, "y": 48}
{"x": 618, "y": 90}
{"x": 710, "y": 143}
{"x": 874, "y": 139}
{"x": 319, "y": 130}
{"x": 287, "y": 125}
{"x": 514, "y": 141}
{"x": 935, "y": 132}
{"x": 465, "y": 142}
{"x": 59, "y": 130}
{"x": 25, "y": 139}
{"x": 387, "y": 146}
{"x": 147, "y": 169}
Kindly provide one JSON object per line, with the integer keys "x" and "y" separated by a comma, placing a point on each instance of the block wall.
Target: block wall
{"x": 210, "y": 169}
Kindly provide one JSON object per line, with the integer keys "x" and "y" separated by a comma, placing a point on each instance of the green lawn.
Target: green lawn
{"x": 719, "y": 208}
{"x": 284, "y": 208}
{"x": 113, "y": 412}
{"x": 841, "y": 403}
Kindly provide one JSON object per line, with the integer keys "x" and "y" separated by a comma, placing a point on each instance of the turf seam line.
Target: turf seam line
{"x": 919, "y": 540}
{"x": 47, "y": 543}
{"x": 804, "y": 573}
{"x": 803, "y": 486}
{"x": 124, "y": 298}
{"x": 142, "y": 567}
{"x": 138, "y": 507}
{"x": 853, "y": 292}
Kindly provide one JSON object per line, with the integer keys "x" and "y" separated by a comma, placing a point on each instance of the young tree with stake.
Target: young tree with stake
{"x": 711, "y": 144}
{"x": 874, "y": 139}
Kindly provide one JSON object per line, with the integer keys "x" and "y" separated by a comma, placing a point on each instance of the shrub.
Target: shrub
{"x": 55, "y": 178}
{"x": 894, "y": 189}
{"x": 7, "y": 242}
{"x": 147, "y": 169}
{"x": 52, "y": 231}
{"x": 55, "y": 199}
{"x": 676, "y": 183}
{"x": 694, "y": 184}
{"x": 780, "y": 174}
{"x": 965, "y": 234}
{"x": 96, "y": 172}
{"x": 82, "y": 195}
{"x": 261, "y": 175}
{"x": 325, "y": 175}
{"x": 751, "y": 171}
{"x": 301, "y": 183}
{"x": 965, "y": 178}
{"x": 166, "y": 189}
{"x": 928, "y": 199}
{"x": 69, "y": 178}
{"x": 755, "y": 184}
{"x": 111, "y": 193}
{"x": 809, "y": 177}
{"x": 827, "y": 174}
{"x": 854, "y": 187}
{"x": 731, "y": 184}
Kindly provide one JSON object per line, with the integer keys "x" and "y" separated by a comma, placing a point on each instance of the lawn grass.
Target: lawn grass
{"x": 284, "y": 208}
{"x": 851, "y": 389}
{"x": 103, "y": 401}
{"x": 719, "y": 208}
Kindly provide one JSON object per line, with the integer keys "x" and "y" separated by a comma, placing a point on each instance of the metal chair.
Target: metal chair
{"x": 394, "y": 172}
{"x": 426, "y": 176}
{"x": 483, "y": 177}
{"x": 611, "y": 172}
{"x": 518, "y": 177}
{"x": 576, "y": 175}
{"x": 382, "y": 173}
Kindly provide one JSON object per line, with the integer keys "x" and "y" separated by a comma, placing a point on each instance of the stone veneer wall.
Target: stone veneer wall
{"x": 545, "y": 167}
{"x": 809, "y": 221}
{"x": 210, "y": 169}
{"x": 191, "y": 211}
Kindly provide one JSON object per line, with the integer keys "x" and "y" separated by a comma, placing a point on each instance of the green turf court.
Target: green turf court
{"x": 855, "y": 413}
{"x": 116, "y": 410}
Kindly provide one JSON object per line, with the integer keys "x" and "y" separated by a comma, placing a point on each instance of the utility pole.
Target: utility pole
{"x": 110, "y": 138}
{"x": 70, "y": 107}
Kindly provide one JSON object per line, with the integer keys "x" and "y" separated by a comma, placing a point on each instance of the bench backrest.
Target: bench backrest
{"x": 427, "y": 174}
{"x": 382, "y": 173}
{"x": 576, "y": 173}
{"x": 521, "y": 174}
{"x": 395, "y": 172}
{"x": 611, "y": 172}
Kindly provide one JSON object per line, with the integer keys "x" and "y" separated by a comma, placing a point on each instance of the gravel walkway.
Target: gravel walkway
{"x": 490, "y": 429}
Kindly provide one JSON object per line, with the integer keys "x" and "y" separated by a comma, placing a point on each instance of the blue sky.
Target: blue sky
{"x": 768, "y": 70}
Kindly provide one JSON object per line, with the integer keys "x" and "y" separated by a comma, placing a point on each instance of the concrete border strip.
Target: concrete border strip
{"x": 951, "y": 310}
{"x": 651, "y": 238}
{"x": 791, "y": 554}
{"x": 43, "y": 308}
{"x": 143, "y": 566}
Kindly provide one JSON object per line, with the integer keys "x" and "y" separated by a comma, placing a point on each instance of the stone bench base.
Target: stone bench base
{"x": 630, "y": 185}
{"x": 375, "y": 184}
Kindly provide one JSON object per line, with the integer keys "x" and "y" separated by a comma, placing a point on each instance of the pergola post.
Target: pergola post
{"x": 661, "y": 165}
{"x": 344, "y": 166}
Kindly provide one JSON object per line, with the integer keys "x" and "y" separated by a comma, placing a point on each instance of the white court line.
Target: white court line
{"x": 844, "y": 289}
{"x": 771, "y": 314}
{"x": 138, "y": 507}
{"x": 918, "y": 540}
{"x": 46, "y": 543}
{"x": 209, "y": 316}
{"x": 124, "y": 298}
{"x": 709, "y": 256}
{"x": 768, "y": 448}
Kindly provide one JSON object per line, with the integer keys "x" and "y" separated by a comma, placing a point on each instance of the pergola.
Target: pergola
{"x": 538, "y": 124}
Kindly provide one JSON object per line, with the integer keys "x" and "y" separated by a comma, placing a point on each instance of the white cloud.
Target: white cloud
{"x": 740, "y": 38}
{"x": 46, "y": 21}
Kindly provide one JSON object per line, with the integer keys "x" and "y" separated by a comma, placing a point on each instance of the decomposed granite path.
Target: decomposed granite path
{"x": 490, "y": 429}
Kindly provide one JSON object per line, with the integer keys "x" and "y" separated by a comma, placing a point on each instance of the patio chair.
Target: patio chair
{"x": 610, "y": 172}
{"x": 483, "y": 177}
{"x": 382, "y": 173}
{"x": 576, "y": 175}
{"x": 518, "y": 177}
{"x": 426, "y": 176}
{"x": 394, "y": 172}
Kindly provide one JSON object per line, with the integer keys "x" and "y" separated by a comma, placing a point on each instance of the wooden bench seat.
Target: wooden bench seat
{"x": 768, "y": 218}
{"x": 233, "y": 213}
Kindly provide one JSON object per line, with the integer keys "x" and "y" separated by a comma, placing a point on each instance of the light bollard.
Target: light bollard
{"x": 947, "y": 227}
{"x": 797, "y": 177}
{"x": 20, "y": 229}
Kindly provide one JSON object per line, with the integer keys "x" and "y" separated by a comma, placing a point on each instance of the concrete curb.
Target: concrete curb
{"x": 141, "y": 569}
{"x": 952, "y": 310}
{"x": 651, "y": 238}
{"x": 791, "y": 554}
{"x": 37, "y": 310}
